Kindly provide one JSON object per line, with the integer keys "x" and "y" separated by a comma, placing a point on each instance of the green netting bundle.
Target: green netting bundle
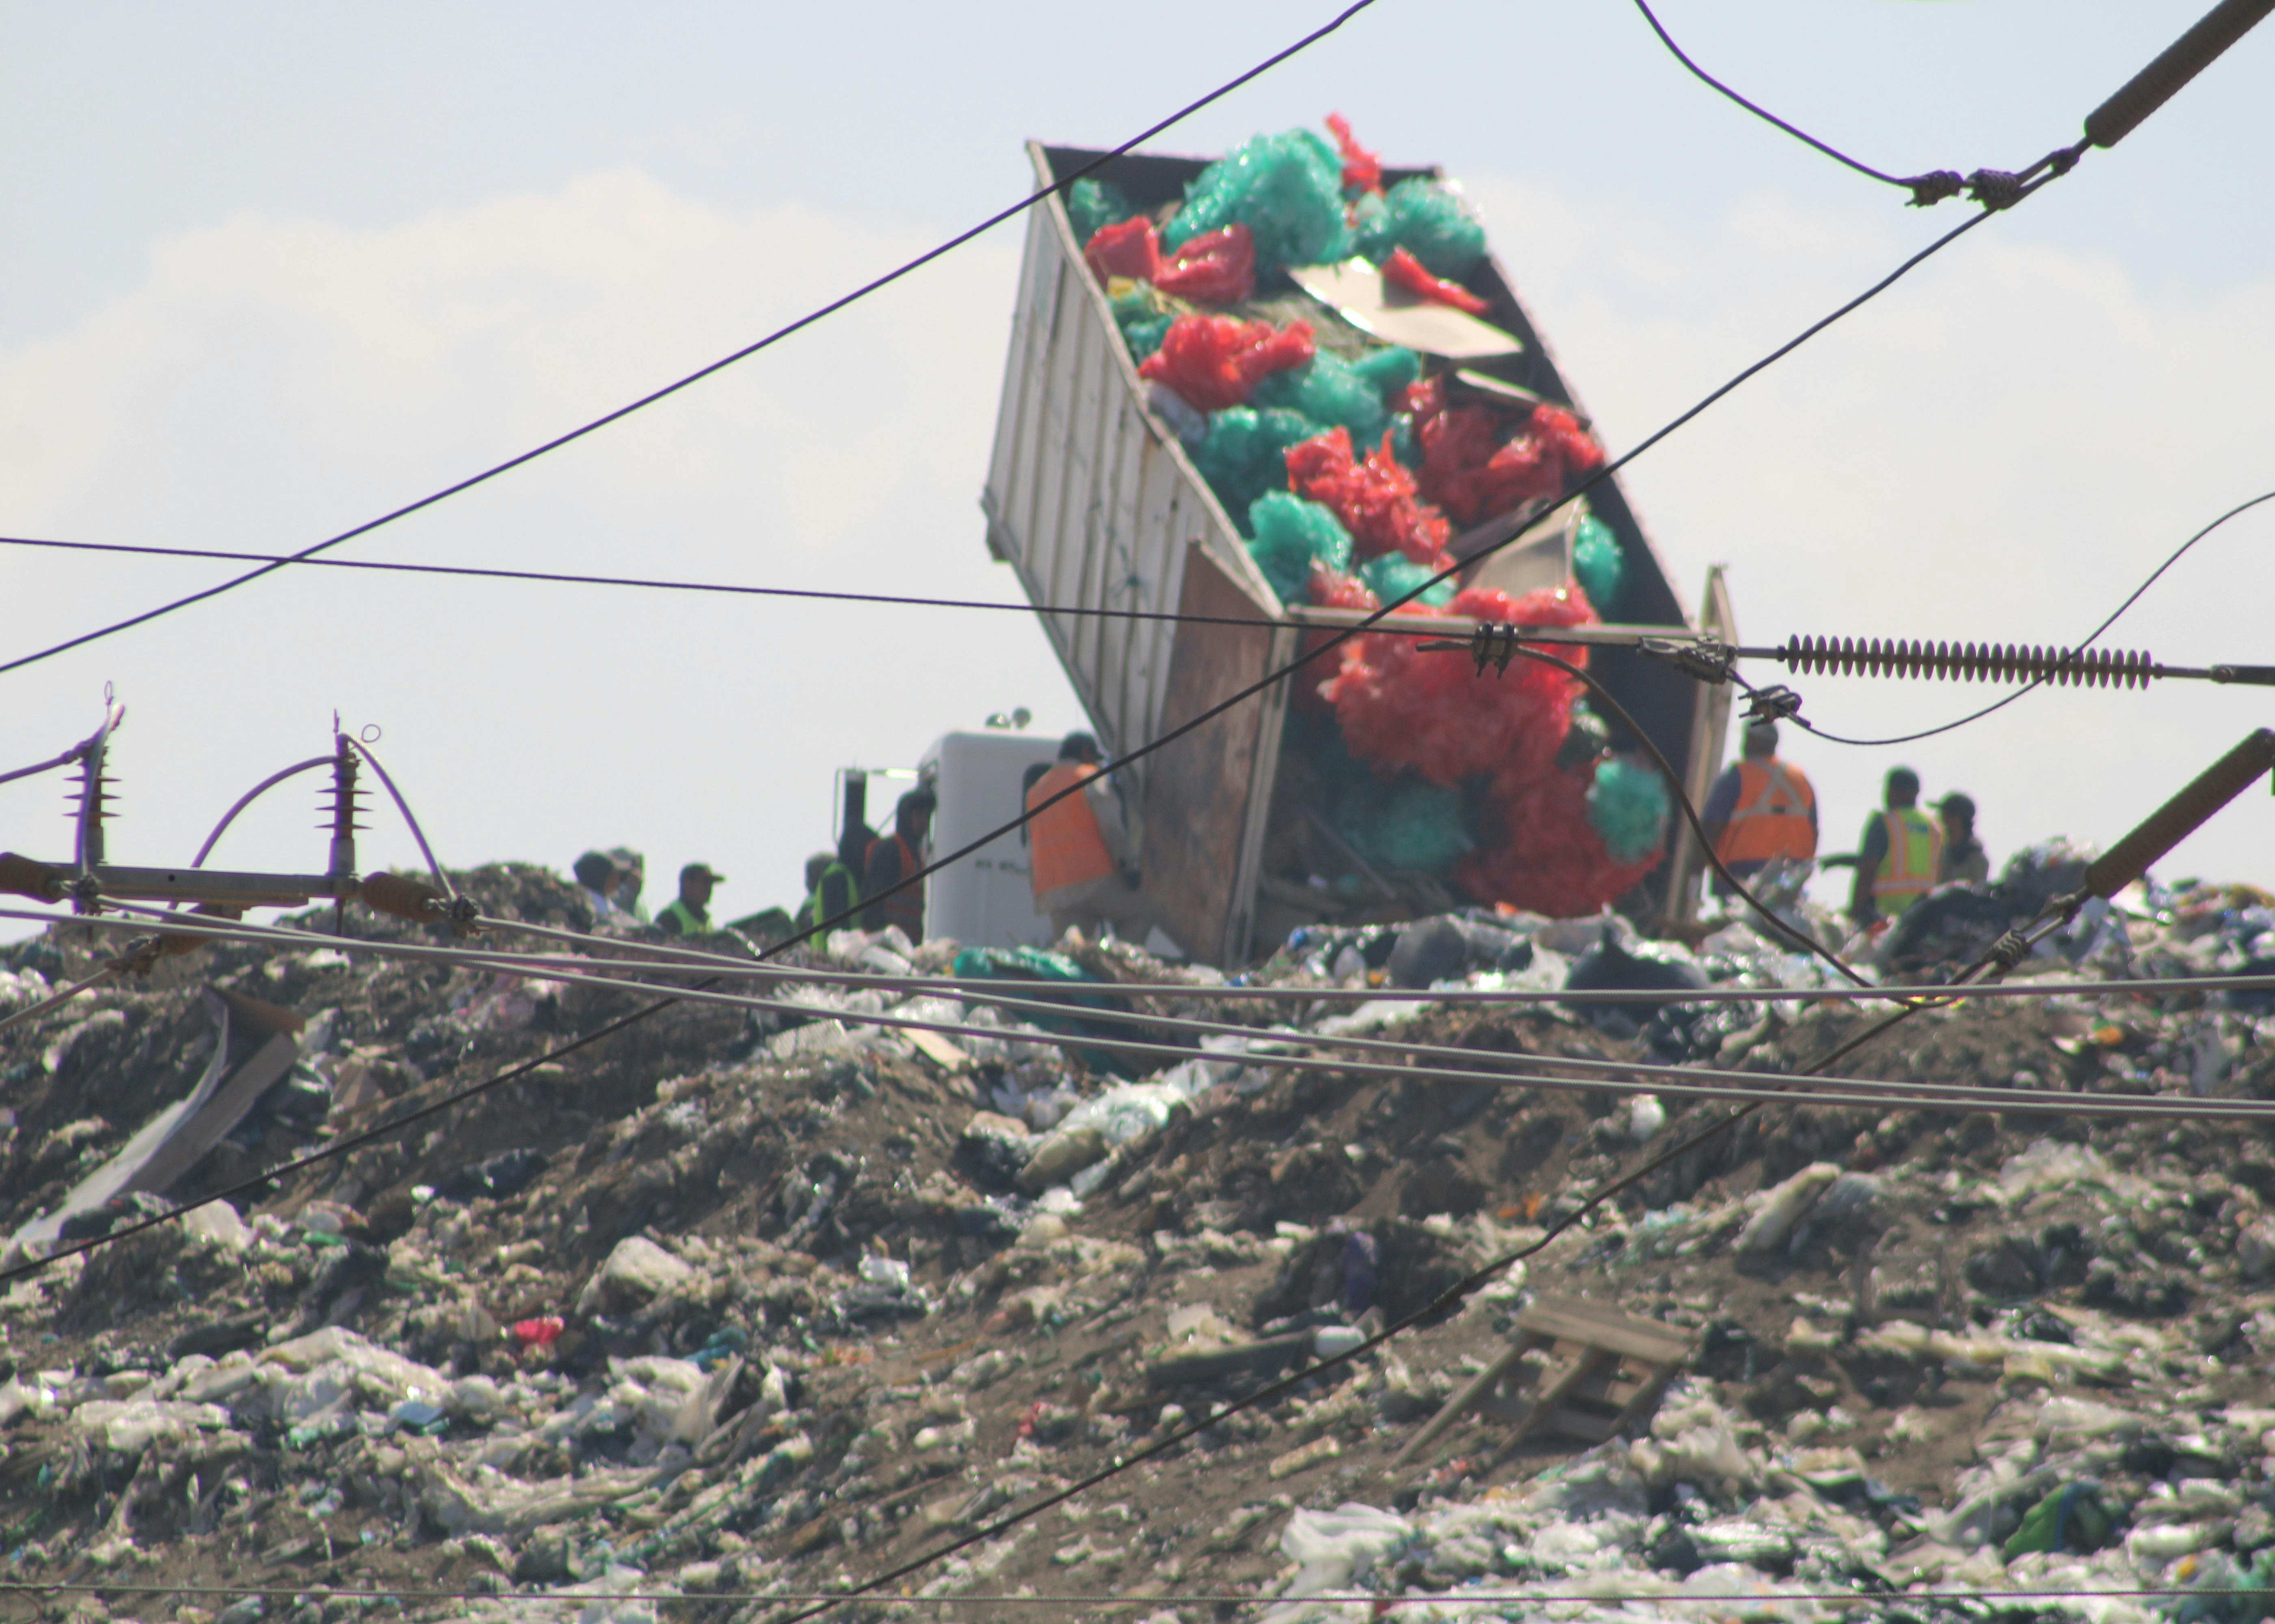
{"x": 1408, "y": 824}
{"x": 1393, "y": 575}
{"x": 1092, "y": 204}
{"x": 1245, "y": 454}
{"x": 1388, "y": 369}
{"x": 1597, "y": 564}
{"x": 1326, "y": 389}
{"x": 1628, "y": 806}
{"x": 1292, "y": 535}
{"x": 1405, "y": 444}
{"x": 1431, "y": 222}
{"x": 1288, "y": 190}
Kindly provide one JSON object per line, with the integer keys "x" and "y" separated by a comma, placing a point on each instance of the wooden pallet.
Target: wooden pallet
{"x": 1604, "y": 1372}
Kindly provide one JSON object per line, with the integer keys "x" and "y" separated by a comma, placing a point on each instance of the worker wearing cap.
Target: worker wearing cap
{"x": 1081, "y": 862}
{"x": 1964, "y": 860}
{"x": 689, "y": 914}
{"x": 1761, "y": 807}
{"x": 1900, "y": 854}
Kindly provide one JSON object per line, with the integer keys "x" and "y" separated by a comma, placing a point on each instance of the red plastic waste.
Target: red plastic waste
{"x": 1434, "y": 713}
{"x": 1362, "y": 169}
{"x": 1541, "y": 852}
{"x": 1216, "y": 267}
{"x": 1126, "y": 248}
{"x": 542, "y": 1332}
{"x": 1470, "y": 469}
{"x": 1331, "y": 589}
{"x": 1403, "y": 270}
{"x": 1213, "y": 361}
{"x": 1374, "y": 499}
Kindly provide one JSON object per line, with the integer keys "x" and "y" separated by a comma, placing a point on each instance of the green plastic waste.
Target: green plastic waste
{"x": 1389, "y": 369}
{"x": 1393, "y": 575}
{"x": 1431, "y": 222}
{"x": 1292, "y": 535}
{"x": 1628, "y": 806}
{"x": 1598, "y": 562}
{"x": 1328, "y": 390}
{"x": 1405, "y": 444}
{"x": 2071, "y": 1518}
{"x": 1143, "y": 323}
{"x": 1407, "y": 824}
{"x": 1092, "y": 204}
{"x": 1245, "y": 454}
{"x": 1286, "y": 189}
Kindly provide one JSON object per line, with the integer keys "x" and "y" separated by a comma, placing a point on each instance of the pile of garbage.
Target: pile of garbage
{"x": 1347, "y": 462}
{"x": 737, "y": 1303}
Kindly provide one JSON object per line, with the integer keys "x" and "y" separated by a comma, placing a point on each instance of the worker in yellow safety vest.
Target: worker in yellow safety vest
{"x": 1900, "y": 854}
{"x": 1082, "y": 853}
{"x": 1761, "y": 807}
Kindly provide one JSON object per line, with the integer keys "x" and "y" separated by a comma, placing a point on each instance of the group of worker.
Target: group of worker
{"x": 1083, "y": 857}
{"x": 1763, "y": 808}
{"x": 611, "y": 881}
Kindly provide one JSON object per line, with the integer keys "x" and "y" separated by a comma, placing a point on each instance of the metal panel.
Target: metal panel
{"x": 1710, "y": 730}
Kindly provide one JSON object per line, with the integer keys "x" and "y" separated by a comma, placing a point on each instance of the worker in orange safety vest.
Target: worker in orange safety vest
{"x": 1900, "y": 855}
{"x": 1761, "y": 807}
{"x": 1082, "y": 855}
{"x": 895, "y": 857}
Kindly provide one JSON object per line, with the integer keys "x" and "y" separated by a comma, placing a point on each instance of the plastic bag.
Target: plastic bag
{"x": 1433, "y": 712}
{"x": 1628, "y": 806}
{"x": 1326, "y": 388}
{"x": 1394, "y": 575}
{"x": 1217, "y": 361}
{"x": 1374, "y": 499}
{"x": 1216, "y": 267}
{"x": 1539, "y": 850}
{"x": 1470, "y": 471}
{"x": 1093, "y": 203}
{"x": 1407, "y": 825}
{"x": 1244, "y": 455}
{"x": 1402, "y": 269}
{"x": 1362, "y": 169}
{"x": 1292, "y": 536}
{"x": 1429, "y": 220}
{"x": 1128, "y": 248}
{"x": 1598, "y": 564}
{"x": 1286, "y": 189}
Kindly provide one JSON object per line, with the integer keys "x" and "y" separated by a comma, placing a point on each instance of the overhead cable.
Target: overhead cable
{"x": 2107, "y": 125}
{"x": 723, "y": 362}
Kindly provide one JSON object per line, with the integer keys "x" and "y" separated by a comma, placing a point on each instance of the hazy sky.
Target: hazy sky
{"x": 276, "y": 270}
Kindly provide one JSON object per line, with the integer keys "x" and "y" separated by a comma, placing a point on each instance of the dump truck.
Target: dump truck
{"x": 1095, "y": 502}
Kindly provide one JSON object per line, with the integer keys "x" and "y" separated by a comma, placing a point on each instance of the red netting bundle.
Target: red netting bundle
{"x": 1331, "y": 589}
{"x": 1126, "y": 248}
{"x": 1433, "y": 712}
{"x": 1362, "y": 169}
{"x": 1470, "y": 470}
{"x": 1374, "y": 499}
{"x": 1537, "y": 849}
{"x": 1213, "y": 361}
{"x": 1216, "y": 267}
{"x": 1402, "y": 269}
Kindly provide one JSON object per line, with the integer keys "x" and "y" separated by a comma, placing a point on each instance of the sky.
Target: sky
{"x": 278, "y": 269}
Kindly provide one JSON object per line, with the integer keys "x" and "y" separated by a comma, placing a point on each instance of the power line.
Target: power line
{"x": 747, "y": 350}
{"x": 2040, "y": 681}
{"x": 564, "y": 577}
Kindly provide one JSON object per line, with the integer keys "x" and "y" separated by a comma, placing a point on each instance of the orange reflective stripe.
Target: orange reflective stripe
{"x": 1770, "y": 819}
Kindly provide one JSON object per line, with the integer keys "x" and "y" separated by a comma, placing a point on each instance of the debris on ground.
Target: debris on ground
{"x": 738, "y": 1302}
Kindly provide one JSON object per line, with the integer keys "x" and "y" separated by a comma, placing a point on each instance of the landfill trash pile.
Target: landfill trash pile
{"x": 1358, "y": 468}
{"x": 735, "y": 1302}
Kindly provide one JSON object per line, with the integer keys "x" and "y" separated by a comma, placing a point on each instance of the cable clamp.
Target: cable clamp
{"x": 1707, "y": 659}
{"x": 1775, "y": 703}
{"x": 1931, "y": 188}
{"x": 461, "y": 911}
{"x": 1996, "y": 189}
{"x": 139, "y": 957}
{"x": 1494, "y": 643}
{"x": 2010, "y": 950}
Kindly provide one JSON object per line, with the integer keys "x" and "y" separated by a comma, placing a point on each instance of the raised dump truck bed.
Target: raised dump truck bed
{"x": 1094, "y": 502}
